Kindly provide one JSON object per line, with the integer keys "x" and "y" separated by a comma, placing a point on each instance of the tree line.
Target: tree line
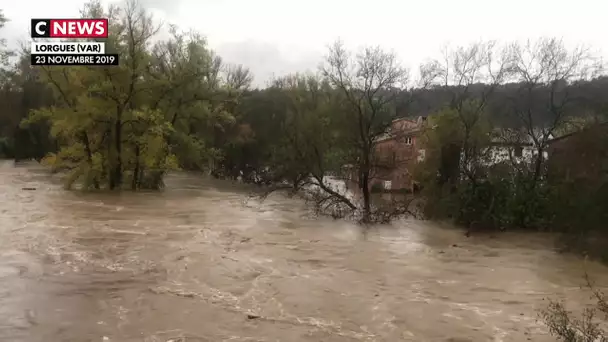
{"x": 175, "y": 104}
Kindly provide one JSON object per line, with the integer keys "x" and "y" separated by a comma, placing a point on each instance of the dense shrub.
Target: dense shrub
{"x": 516, "y": 202}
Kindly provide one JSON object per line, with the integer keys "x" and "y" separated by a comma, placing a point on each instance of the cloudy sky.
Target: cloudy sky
{"x": 274, "y": 37}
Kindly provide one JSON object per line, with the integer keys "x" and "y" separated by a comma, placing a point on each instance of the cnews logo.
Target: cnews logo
{"x": 69, "y": 28}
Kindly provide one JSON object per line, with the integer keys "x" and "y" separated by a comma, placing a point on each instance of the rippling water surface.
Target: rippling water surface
{"x": 201, "y": 262}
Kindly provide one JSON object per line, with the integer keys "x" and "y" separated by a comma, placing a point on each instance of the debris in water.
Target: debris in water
{"x": 252, "y": 316}
{"x": 30, "y": 316}
{"x": 105, "y": 338}
{"x": 28, "y": 188}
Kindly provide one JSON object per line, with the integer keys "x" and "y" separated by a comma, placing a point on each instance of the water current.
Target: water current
{"x": 202, "y": 261}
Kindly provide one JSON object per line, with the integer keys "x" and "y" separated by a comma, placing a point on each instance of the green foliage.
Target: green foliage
{"x": 443, "y": 142}
{"x": 307, "y": 126}
{"x": 4, "y": 53}
{"x": 485, "y": 194}
{"x": 162, "y": 108}
{"x": 6, "y": 147}
{"x": 461, "y": 181}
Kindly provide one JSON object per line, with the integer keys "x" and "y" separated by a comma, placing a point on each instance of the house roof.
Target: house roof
{"x": 514, "y": 137}
{"x": 396, "y": 130}
{"x": 585, "y": 129}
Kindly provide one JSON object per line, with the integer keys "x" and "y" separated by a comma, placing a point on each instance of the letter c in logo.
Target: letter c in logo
{"x": 38, "y": 30}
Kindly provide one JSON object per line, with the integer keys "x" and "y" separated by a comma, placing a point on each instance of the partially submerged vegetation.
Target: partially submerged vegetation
{"x": 590, "y": 326}
{"x": 552, "y": 105}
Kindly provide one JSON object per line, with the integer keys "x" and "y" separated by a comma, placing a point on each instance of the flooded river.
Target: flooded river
{"x": 201, "y": 262}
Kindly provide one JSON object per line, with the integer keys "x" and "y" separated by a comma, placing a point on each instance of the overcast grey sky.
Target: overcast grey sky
{"x": 281, "y": 36}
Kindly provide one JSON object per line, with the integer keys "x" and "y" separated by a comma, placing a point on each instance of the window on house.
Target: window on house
{"x": 408, "y": 140}
{"x": 394, "y": 156}
{"x": 421, "y": 155}
{"x": 388, "y": 185}
{"x": 519, "y": 151}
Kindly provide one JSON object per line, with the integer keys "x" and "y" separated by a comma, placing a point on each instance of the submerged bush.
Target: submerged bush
{"x": 589, "y": 327}
{"x": 512, "y": 200}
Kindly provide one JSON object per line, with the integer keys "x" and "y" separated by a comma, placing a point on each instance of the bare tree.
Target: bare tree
{"x": 471, "y": 75}
{"x": 368, "y": 83}
{"x": 238, "y": 77}
{"x": 590, "y": 325}
{"x": 544, "y": 71}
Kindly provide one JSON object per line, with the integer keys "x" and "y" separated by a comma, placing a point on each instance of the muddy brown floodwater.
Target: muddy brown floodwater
{"x": 200, "y": 262}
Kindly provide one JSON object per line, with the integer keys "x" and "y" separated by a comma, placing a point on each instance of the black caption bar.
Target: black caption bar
{"x": 67, "y": 59}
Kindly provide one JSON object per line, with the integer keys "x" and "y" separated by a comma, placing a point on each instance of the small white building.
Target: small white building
{"x": 513, "y": 147}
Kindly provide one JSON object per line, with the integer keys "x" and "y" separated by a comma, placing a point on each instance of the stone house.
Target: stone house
{"x": 396, "y": 153}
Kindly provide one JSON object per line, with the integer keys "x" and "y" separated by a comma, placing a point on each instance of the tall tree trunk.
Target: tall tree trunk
{"x": 87, "y": 148}
{"x": 135, "y": 180}
{"x": 117, "y": 172}
{"x": 110, "y": 165}
{"x": 364, "y": 173}
{"x": 538, "y": 163}
{"x": 366, "y": 196}
{"x": 141, "y": 174}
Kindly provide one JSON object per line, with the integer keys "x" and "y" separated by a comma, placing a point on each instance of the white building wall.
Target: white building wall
{"x": 499, "y": 154}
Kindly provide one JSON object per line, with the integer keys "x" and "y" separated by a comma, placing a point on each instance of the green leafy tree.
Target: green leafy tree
{"x": 4, "y": 53}
{"x": 20, "y": 92}
{"x": 100, "y": 117}
{"x": 311, "y": 142}
{"x": 186, "y": 78}
{"x": 167, "y": 105}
